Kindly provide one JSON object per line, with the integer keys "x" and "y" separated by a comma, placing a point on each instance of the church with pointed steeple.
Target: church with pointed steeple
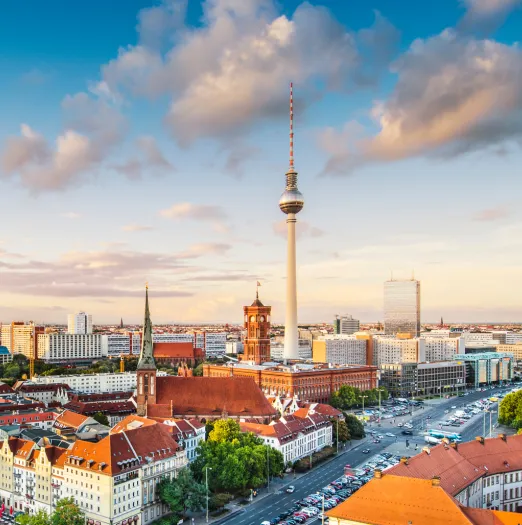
{"x": 204, "y": 398}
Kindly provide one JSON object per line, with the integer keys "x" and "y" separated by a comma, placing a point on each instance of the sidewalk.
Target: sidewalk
{"x": 276, "y": 486}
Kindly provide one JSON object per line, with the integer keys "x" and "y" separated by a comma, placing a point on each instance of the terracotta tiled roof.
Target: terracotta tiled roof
{"x": 24, "y": 388}
{"x": 15, "y": 444}
{"x": 492, "y": 517}
{"x": 397, "y": 500}
{"x": 54, "y": 454}
{"x": 455, "y": 471}
{"x": 131, "y": 422}
{"x": 25, "y": 450}
{"x": 207, "y": 396}
{"x": 70, "y": 419}
{"x": 106, "y": 407}
{"x": 321, "y": 408}
{"x": 458, "y": 467}
{"x": 5, "y": 389}
{"x": 123, "y": 451}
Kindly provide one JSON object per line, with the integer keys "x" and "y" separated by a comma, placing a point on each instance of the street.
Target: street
{"x": 278, "y": 502}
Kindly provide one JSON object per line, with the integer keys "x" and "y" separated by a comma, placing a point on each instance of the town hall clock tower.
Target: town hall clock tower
{"x": 257, "y": 340}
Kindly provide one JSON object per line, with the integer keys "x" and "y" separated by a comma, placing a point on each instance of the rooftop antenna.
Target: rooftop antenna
{"x": 291, "y": 126}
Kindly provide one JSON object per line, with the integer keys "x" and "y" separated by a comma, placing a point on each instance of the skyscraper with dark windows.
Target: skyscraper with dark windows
{"x": 402, "y": 307}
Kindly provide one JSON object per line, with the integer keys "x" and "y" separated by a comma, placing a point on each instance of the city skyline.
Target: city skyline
{"x": 141, "y": 156}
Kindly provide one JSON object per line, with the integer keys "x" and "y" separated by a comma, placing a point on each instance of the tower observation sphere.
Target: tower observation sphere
{"x": 291, "y": 200}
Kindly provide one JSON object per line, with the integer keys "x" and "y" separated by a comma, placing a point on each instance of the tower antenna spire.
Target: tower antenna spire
{"x": 291, "y": 125}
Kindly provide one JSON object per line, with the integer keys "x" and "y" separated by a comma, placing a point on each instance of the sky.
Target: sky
{"x": 147, "y": 141}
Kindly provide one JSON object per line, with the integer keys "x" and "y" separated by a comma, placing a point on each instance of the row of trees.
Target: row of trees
{"x": 510, "y": 410}
{"x": 66, "y": 513}
{"x": 348, "y": 397}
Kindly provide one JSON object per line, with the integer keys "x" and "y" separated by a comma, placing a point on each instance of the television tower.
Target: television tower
{"x": 291, "y": 203}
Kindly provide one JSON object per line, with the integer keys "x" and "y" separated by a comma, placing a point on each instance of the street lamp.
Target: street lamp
{"x": 206, "y": 483}
{"x": 322, "y": 514}
{"x": 337, "y": 434}
{"x": 380, "y": 390}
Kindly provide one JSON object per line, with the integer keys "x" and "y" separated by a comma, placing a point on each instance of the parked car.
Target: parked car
{"x": 366, "y": 451}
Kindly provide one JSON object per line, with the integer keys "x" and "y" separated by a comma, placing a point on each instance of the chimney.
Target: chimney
{"x": 377, "y": 473}
{"x": 435, "y": 481}
{"x": 426, "y": 449}
{"x": 480, "y": 439}
{"x": 454, "y": 445}
{"x": 503, "y": 437}
{"x": 404, "y": 460}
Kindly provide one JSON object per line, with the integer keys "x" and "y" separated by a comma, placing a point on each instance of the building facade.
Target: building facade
{"x": 340, "y": 350}
{"x": 115, "y": 345}
{"x": 346, "y": 325}
{"x": 294, "y": 437}
{"x": 21, "y": 338}
{"x": 277, "y": 350}
{"x": 442, "y": 348}
{"x": 486, "y": 368}
{"x": 5, "y": 355}
{"x": 80, "y": 323}
{"x": 402, "y": 307}
{"x": 66, "y": 348}
{"x": 212, "y": 343}
{"x": 514, "y": 348}
{"x": 314, "y": 383}
{"x": 397, "y": 350}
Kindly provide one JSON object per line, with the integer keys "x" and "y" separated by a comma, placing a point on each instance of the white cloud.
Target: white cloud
{"x": 453, "y": 95}
{"x": 198, "y": 212}
{"x": 486, "y": 15}
{"x": 137, "y": 228}
{"x": 71, "y": 215}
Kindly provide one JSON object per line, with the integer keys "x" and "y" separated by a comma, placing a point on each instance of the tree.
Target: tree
{"x": 198, "y": 370}
{"x": 345, "y": 398}
{"x": 183, "y": 493}
{"x": 510, "y": 410}
{"x": 102, "y": 419}
{"x": 67, "y": 513}
{"x": 40, "y": 518}
{"x": 12, "y": 370}
{"x": 224, "y": 430}
{"x": 344, "y": 433}
{"x": 355, "y": 427}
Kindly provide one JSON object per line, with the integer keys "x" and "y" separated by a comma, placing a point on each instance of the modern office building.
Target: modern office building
{"x": 21, "y": 338}
{"x": 415, "y": 379}
{"x": 277, "y": 350}
{"x": 514, "y": 349}
{"x": 340, "y": 350}
{"x": 346, "y": 325}
{"x": 513, "y": 338}
{"x": 487, "y": 368}
{"x": 402, "y": 307}
{"x": 115, "y": 345}
{"x": 80, "y": 323}
{"x": 5, "y": 355}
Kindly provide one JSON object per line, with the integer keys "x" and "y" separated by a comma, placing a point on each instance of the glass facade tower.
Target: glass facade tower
{"x": 402, "y": 307}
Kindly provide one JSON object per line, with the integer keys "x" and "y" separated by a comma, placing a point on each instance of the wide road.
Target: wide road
{"x": 279, "y": 501}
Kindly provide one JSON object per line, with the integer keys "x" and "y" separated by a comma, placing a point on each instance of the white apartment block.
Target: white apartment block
{"x": 442, "y": 349}
{"x": 391, "y": 350}
{"x": 340, "y": 350}
{"x": 212, "y": 343}
{"x": 95, "y": 383}
{"x": 512, "y": 338}
{"x": 118, "y": 344}
{"x": 485, "y": 338}
{"x": 80, "y": 323}
{"x": 69, "y": 347}
{"x": 234, "y": 347}
{"x": 304, "y": 349}
{"x": 294, "y": 437}
{"x": 112, "y": 481}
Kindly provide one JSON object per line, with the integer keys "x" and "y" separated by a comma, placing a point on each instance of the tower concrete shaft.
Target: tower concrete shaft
{"x": 291, "y": 350}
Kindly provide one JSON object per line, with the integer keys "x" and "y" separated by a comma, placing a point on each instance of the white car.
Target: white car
{"x": 389, "y": 434}
{"x": 290, "y": 489}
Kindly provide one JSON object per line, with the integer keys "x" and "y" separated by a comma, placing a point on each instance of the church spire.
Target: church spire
{"x": 146, "y": 361}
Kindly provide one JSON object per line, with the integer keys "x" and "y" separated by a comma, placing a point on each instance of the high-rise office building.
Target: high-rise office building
{"x": 80, "y": 323}
{"x": 402, "y": 307}
{"x": 346, "y": 325}
{"x": 21, "y": 338}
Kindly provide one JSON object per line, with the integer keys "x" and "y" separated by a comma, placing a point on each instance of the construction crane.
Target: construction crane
{"x": 32, "y": 353}
{"x": 122, "y": 363}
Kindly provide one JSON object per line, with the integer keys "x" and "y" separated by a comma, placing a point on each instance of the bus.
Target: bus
{"x": 452, "y": 436}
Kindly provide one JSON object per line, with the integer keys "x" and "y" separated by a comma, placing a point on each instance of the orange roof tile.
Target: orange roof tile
{"x": 179, "y": 350}
{"x": 397, "y": 500}
{"x": 492, "y": 517}
{"x": 131, "y": 422}
{"x": 235, "y": 396}
{"x": 70, "y": 419}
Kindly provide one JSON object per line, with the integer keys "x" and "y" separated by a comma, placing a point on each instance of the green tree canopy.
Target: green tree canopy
{"x": 40, "y": 518}
{"x": 510, "y": 410}
{"x": 355, "y": 427}
{"x": 67, "y": 513}
{"x": 344, "y": 433}
{"x": 348, "y": 397}
{"x": 102, "y": 419}
{"x": 183, "y": 493}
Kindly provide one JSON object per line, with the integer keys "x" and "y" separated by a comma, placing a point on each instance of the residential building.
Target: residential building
{"x": 442, "y": 348}
{"x": 483, "y": 473}
{"x": 184, "y": 396}
{"x": 212, "y": 343}
{"x": 188, "y": 433}
{"x": 434, "y": 378}
{"x": 80, "y": 323}
{"x": 346, "y": 325}
{"x": 113, "y": 481}
{"x": 115, "y": 406}
{"x": 340, "y": 350}
{"x": 21, "y": 338}
{"x": 304, "y": 348}
{"x": 5, "y": 355}
{"x": 36, "y": 417}
{"x": 47, "y": 394}
{"x": 513, "y": 338}
{"x": 115, "y": 345}
{"x": 69, "y": 423}
{"x": 295, "y": 437}
{"x": 234, "y": 347}
{"x": 66, "y": 348}
{"x": 395, "y": 500}
{"x": 514, "y": 348}
{"x": 309, "y": 382}
{"x": 95, "y": 383}
{"x": 478, "y": 337}
{"x": 486, "y": 368}
{"x": 402, "y": 307}
{"x": 398, "y": 350}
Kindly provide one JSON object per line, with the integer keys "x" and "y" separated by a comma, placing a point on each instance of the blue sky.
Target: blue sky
{"x": 148, "y": 141}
